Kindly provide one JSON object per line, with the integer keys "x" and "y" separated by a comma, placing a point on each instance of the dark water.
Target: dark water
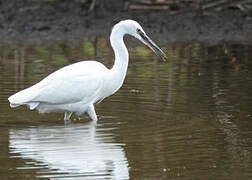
{"x": 187, "y": 118}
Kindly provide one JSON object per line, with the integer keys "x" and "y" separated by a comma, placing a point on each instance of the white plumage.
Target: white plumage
{"x": 77, "y": 87}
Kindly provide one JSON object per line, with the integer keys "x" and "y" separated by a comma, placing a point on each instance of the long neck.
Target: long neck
{"x": 119, "y": 70}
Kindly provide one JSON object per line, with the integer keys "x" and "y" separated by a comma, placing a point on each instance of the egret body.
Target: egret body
{"x": 77, "y": 87}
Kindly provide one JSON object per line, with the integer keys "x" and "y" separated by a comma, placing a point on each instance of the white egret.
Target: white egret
{"x": 77, "y": 87}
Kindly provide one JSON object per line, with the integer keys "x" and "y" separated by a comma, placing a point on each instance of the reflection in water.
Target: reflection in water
{"x": 75, "y": 150}
{"x": 19, "y": 65}
{"x": 226, "y": 109}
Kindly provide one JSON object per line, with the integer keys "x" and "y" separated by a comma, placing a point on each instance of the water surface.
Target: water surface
{"x": 187, "y": 118}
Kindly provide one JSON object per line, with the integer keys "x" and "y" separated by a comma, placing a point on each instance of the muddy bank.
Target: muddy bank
{"x": 61, "y": 20}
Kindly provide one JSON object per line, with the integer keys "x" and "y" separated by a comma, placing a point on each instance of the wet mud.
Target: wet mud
{"x": 60, "y": 20}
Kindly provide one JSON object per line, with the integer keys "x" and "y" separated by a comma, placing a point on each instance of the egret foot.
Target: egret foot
{"x": 91, "y": 113}
{"x": 67, "y": 117}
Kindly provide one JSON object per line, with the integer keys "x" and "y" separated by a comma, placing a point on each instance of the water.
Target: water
{"x": 187, "y": 118}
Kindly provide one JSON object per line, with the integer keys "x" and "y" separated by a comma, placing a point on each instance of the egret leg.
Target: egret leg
{"x": 91, "y": 112}
{"x": 67, "y": 116}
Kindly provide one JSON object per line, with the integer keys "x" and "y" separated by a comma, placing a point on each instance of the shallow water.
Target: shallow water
{"x": 187, "y": 118}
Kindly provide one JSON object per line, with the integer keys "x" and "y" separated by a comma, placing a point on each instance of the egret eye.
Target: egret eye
{"x": 138, "y": 30}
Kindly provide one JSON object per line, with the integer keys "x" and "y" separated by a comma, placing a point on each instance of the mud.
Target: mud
{"x": 61, "y": 19}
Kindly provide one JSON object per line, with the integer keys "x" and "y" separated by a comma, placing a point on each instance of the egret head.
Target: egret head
{"x": 134, "y": 29}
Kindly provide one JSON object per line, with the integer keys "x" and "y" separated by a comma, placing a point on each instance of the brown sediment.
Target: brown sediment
{"x": 59, "y": 20}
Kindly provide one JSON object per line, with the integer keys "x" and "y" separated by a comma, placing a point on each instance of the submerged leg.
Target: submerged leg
{"x": 91, "y": 112}
{"x": 67, "y": 116}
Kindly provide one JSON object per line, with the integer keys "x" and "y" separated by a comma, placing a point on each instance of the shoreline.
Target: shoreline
{"x": 57, "y": 22}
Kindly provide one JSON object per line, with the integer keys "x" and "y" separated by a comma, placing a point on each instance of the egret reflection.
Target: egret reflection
{"x": 76, "y": 150}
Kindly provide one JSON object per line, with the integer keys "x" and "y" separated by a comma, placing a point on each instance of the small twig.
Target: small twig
{"x": 215, "y": 4}
{"x": 154, "y": 2}
{"x": 145, "y": 7}
{"x": 92, "y": 5}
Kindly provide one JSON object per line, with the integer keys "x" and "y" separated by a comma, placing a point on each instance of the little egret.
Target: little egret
{"x": 77, "y": 87}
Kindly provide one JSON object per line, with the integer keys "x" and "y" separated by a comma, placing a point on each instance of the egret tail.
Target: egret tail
{"x": 24, "y": 97}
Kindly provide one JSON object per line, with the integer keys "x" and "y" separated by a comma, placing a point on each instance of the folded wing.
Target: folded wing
{"x": 73, "y": 83}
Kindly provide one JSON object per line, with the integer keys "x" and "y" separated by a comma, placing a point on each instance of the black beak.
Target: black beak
{"x": 152, "y": 46}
